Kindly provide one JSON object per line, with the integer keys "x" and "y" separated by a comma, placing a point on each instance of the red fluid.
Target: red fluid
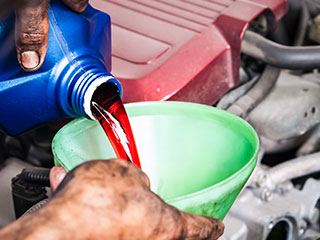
{"x": 108, "y": 108}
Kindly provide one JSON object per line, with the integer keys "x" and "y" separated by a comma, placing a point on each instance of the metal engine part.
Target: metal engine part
{"x": 271, "y": 207}
{"x": 314, "y": 33}
{"x": 284, "y": 216}
{"x": 287, "y": 115}
{"x": 282, "y": 199}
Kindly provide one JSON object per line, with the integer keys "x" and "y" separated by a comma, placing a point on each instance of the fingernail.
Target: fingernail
{"x": 57, "y": 174}
{"x": 30, "y": 59}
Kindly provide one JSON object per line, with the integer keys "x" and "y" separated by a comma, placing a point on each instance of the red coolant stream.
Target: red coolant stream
{"x": 108, "y": 108}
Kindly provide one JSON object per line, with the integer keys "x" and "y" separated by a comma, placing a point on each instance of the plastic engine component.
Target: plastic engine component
{"x": 186, "y": 50}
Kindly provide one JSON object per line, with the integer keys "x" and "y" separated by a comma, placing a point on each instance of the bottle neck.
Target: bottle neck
{"x": 87, "y": 97}
{"x": 82, "y": 96}
{"x": 76, "y": 97}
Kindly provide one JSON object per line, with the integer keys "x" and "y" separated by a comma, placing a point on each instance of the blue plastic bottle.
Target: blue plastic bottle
{"x": 78, "y": 60}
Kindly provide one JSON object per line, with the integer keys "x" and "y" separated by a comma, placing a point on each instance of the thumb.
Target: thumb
{"x": 199, "y": 227}
{"x": 57, "y": 174}
{"x": 31, "y": 33}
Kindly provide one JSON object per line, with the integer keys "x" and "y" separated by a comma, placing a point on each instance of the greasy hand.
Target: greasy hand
{"x": 112, "y": 200}
{"x": 32, "y": 29}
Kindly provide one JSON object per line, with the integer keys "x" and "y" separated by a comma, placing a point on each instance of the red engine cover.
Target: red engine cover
{"x": 186, "y": 50}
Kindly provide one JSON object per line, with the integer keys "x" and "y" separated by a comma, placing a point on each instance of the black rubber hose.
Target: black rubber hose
{"x": 313, "y": 6}
{"x": 280, "y": 56}
{"x": 303, "y": 25}
{"x": 244, "y": 105}
{"x": 231, "y": 97}
{"x": 37, "y": 175}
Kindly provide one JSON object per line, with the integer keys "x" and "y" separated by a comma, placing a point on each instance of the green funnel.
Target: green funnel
{"x": 197, "y": 157}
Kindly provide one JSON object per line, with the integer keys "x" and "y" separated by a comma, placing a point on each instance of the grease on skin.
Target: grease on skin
{"x": 119, "y": 193}
{"x": 32, "y": 30}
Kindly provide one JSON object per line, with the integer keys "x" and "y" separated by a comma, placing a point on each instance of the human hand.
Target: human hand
{"x": 32, "y": 29}
{"x": 108, "y": 200}
{"x": 112, "y": 200}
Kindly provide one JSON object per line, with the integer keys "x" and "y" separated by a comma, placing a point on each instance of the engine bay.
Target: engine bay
{"x": 257, "y": 59}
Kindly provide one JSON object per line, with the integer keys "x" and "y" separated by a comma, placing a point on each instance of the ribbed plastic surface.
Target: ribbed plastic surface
{"x": 180, "y": 49}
